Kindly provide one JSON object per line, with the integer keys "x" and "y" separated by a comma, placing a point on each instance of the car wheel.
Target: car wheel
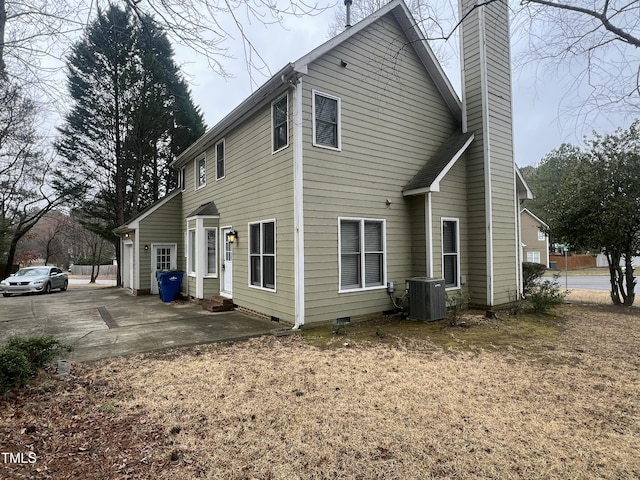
{"x": 47, "y": 288}
{"x": 64, "y": 287}
{"x": 6, "y": 294}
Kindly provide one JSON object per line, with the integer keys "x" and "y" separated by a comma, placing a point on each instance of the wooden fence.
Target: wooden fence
{"x": 85, "y": 270}
{"x": 575, "y": 262}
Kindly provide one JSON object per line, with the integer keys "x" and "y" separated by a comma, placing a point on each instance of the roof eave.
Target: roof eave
{"x": 277, "y": 84}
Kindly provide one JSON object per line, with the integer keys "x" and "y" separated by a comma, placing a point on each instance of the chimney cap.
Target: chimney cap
{"x": 348, "y": 2}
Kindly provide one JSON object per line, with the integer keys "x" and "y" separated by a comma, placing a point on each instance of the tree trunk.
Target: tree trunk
{"x": 629, "y": 280}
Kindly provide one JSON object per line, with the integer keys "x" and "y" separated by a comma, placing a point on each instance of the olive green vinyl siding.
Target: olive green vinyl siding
{"x": 160, "y": 226}
{"x": 258, "y": 185}
{"x": 417, "y": 226}
{"x": 392, "y": 121}
{"x": 451, "y": 202}
{"x": 488, "y": 91}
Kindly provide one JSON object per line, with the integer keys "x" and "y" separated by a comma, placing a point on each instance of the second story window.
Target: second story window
{"x": 279, "y": 122}
{"x": 220, "y": 159}
{"x": 201, "y": 172}
{"x": 326, "y": 121}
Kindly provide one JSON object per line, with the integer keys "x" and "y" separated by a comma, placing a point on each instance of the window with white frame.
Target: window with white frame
{"x": 191, "y": 248}
{"x": 541, "y": 236}
{"x": 279, "y": 111}
{"x": 262, "y": 254}
{"x": 533, "y": 257}
{"x": 201, "y": 171}
{"x": 450, "y": 253}
{"x": 182, "y": 181}
{"x": 212, "y": 251}
{"x": 326, "y": 121}
{"x": 220, "y": 160}
{"x": 362, "y": 259}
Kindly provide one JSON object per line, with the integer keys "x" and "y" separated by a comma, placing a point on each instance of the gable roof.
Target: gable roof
{"x": 428, "y": 177}
{"x": 208, "y": 209}
{"x": 290, "y": 73}
{"x": 537, "y": 219}
{"x": 134, "y": 222}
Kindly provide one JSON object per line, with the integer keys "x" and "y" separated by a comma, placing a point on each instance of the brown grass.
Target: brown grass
{"x": 531, "y": 397}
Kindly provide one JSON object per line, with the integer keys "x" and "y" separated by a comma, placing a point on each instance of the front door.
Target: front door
{"x": 163, "y": 257}
{"x": 226, "y": 285}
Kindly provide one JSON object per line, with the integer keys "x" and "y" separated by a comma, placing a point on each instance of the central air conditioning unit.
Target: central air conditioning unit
{"x": 427, "y": 299}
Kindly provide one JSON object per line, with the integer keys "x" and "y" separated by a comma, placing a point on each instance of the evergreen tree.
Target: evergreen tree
{"x": 132, "y": 113}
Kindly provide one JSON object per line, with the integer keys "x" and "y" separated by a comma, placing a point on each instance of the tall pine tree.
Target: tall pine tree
{"x": 131, "y": 114}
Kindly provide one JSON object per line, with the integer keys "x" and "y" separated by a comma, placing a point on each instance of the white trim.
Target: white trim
{"x": 273, "y": 147}
{"x": 191, "y": 273}
{"x": 537, "y": 219}
{"x": 199, "y": 264}
{"x": 428, "y": 219}
{"x": 224, "y": 157}
{"x": 435, "y": 185}
{"x": 458, "y": 285}
{"x": 196, "y": 171}
{"x": 361, "y": 221}
{"x": 315, "y": 93}
{"x": 298, "y": 207}
{"x": 528, "y": 194}
{"x": 222, "y": 258}
{"x": 205, "y": 253}
{"x": 173, "y": 260}
{"x": 134, "y": 224}
{"x": 487, "y": 154}
{"x": 275, "y": 255}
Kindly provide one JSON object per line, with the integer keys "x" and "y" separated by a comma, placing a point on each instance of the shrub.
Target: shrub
{"x": 531, "y": 272}
{"x": 21, "y": 357}
{"x": 40, "y": 350}
{"x": 543, "y": 296}
{"x": 456, "y": 304}
{"x": 15, "y": 369}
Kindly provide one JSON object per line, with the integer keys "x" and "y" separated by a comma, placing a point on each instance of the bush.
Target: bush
{"x": 543, "y": 296}
{"x": 456, "y": 305}
{"x": 21, "y": 357}
{"x": 531, "y": 272}
{"x": 15, "y": 369}
{"x": 38, "y": 350}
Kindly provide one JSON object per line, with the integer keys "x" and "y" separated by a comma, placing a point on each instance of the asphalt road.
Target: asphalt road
{"x": 585, "y": 282}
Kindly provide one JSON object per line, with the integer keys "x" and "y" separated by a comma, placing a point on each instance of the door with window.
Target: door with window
{"x": 163, "y": 257}
{"x": 226, "y": 284}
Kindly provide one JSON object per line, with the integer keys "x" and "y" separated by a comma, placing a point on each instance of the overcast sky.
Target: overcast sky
{"x": 543, "y": 116}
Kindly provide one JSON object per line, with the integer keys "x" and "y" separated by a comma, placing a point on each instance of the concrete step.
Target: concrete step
{"x": 218, "y": 304}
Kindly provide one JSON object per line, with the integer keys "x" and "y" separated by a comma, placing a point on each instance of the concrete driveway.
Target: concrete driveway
{"x": 102, "y": 322}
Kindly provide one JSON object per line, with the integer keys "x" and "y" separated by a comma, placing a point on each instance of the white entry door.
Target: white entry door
{"x": 226, "y": 285}
{"x": 163, "y": 257}
{"x": 127, "y": 266}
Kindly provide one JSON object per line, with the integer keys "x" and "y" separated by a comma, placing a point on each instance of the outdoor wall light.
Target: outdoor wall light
{"x": 126, "y": 235}
{"x": 232, "y": 236}
{"x": 146, "y": 247}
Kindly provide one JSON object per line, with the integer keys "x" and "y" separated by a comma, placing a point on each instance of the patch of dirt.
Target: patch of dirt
{"x": 555, "y": 396}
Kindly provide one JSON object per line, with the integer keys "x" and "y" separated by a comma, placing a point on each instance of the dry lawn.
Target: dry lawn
{"x": 547, "y": 397}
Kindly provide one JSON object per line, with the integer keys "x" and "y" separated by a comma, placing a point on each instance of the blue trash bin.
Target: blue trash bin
{"x": 169, "y": 284}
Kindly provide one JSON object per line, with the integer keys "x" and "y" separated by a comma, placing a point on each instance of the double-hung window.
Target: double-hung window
{"x": 220, "y": 160}
{"x": 262, "y": 254}
{"x": 279, "y": 111}
{"x": 326, "y": 121}
{"x": 201, "y": 171}
{"x": 450, "y": 253}
{"x": 362, "y": 259}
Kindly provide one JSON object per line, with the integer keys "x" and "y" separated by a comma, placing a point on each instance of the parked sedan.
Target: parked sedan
{"x": 34, "y": 280}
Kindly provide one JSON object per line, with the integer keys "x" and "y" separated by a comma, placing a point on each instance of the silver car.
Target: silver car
{"x": 34, "y": 280}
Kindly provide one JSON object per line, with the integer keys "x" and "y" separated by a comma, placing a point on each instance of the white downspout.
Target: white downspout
{"x": 298, "y": 207}
{"x": 428, "y": 219}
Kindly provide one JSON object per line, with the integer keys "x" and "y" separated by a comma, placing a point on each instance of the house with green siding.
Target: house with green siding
{"x": 355, "y": 166}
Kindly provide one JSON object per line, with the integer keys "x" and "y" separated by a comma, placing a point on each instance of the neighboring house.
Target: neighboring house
{"x": 355, "y": 166}
{"x": 535, "y": 242}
